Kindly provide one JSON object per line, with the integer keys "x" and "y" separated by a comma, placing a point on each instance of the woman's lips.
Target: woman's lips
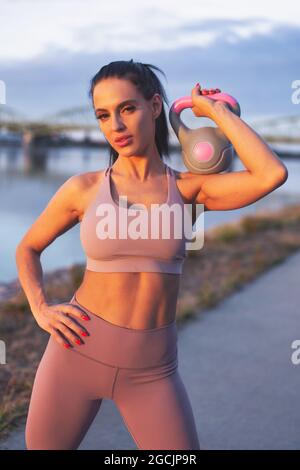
{"x": 124, "y": 142}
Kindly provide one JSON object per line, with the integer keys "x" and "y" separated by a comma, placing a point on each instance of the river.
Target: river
{"x": 24, "y": 196}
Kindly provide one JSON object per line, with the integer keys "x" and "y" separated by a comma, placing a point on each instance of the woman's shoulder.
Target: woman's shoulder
{"x": 188, "y": 183}
{"x": 86, "y": 181}
{"x": 181, "y": 175}
{"x": 82, "y": 187}
{"x": 190, "y": 178}
{"x": 186, "y": 175}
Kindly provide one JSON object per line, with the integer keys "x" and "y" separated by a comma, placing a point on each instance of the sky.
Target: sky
{"x": 49, "y": 50}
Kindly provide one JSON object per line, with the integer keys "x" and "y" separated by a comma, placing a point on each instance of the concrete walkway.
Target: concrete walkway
{"x": 235, "y": 361}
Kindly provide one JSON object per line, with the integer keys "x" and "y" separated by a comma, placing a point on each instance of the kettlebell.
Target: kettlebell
{"x": 204, "y": 150}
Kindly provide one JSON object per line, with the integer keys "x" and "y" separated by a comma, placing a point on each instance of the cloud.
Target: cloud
{"x": 30, "y": 28}
{"x": 258, "y": 70}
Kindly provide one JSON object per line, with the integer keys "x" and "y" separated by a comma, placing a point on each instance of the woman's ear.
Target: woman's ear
{"x": 156, "y": 105}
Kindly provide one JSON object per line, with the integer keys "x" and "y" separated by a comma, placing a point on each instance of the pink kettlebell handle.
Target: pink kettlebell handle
{"x": 186, "y": 102}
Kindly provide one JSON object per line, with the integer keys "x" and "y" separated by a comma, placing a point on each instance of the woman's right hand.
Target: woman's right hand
{"x": 57, "y": 320}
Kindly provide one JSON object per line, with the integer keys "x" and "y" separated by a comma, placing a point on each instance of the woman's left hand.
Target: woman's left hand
{"x": 203, "y": 105}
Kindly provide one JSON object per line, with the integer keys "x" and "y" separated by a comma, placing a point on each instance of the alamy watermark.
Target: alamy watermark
{"x": 2, "y": 352}
{"x": 2, "y": 92}
{"x": 161, "y": 221}
{"x": 295, "y": 357}
{"x": 296, "y": 94}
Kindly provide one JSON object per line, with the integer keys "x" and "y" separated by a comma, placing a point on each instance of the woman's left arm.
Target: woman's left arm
{"x": 265, "y": 171}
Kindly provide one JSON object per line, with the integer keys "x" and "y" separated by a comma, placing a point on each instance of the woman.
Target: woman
{"x": 129, "y": 291}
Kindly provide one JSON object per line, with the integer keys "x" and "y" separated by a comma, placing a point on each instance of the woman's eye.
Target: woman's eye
{"x": 130, "y": 108}
{"x": 100, "y": 116}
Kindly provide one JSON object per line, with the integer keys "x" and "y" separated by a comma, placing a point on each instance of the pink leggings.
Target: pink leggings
{"x": 137, "y": 369}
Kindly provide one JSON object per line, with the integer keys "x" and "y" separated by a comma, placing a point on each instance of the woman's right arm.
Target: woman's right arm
{"x": 61, "y": 214}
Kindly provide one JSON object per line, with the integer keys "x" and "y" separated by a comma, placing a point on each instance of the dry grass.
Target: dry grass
{"x": 235, "y": 254}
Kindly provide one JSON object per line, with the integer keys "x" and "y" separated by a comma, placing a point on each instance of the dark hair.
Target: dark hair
{"x": 148, "y": 84}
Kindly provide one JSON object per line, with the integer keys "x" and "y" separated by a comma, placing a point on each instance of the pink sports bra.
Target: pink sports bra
{"x": 154, "y": 247}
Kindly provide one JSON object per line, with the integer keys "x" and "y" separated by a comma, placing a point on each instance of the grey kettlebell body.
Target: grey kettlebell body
{"x": 205, "y": 150}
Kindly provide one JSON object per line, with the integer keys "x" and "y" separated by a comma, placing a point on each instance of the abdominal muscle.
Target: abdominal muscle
{"x": 141, "y": 300}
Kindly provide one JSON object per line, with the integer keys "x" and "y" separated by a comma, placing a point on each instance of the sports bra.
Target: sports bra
{"x": 144, "y": 245}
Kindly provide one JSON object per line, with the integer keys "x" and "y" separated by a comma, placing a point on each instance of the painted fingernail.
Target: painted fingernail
{"x": 84, "y": 333}
{"x": 67, "y": 345}
{"x": 85, "y": 317}
{"x": 78, "y": 341}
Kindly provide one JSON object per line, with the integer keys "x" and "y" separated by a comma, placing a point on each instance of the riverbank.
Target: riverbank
{"x": 233, "y": 255}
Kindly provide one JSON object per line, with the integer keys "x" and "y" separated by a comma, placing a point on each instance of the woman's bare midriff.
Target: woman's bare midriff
{"x": 133, "y": 300}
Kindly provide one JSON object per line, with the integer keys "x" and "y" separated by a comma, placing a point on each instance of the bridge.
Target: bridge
{"x": 78, "y": 126}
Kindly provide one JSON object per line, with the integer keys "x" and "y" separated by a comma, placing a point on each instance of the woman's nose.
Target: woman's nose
{"x": 116, "y": 123}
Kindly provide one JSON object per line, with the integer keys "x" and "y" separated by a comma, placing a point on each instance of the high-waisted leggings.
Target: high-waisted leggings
{"x": 136, "y": 368}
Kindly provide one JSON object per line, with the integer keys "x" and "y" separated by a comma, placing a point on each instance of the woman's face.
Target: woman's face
{"x": 136, "y": 117}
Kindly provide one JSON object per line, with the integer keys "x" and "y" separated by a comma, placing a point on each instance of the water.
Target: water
{"x": 24, "y": 197}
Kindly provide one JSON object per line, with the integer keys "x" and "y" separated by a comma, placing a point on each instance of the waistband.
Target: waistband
{"x": 124, "y": 347}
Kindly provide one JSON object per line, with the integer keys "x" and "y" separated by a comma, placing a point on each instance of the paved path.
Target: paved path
{"x": 235, "y": 361}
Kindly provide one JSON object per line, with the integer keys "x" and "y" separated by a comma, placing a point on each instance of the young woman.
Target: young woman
{"x": 126, "y": 350}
